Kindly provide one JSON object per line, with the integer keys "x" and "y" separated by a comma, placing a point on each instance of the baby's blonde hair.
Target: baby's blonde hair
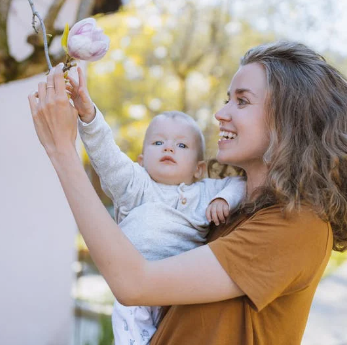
{"x": 192, "y": 123}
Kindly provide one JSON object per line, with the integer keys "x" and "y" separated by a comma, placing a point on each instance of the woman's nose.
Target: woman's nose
{"x": 223, "y": 115}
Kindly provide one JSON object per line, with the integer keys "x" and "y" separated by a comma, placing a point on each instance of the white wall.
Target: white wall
{"x": 37, "y": 230}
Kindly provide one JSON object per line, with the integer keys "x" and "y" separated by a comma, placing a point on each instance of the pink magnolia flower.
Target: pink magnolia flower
{"x": 86, "y": 41}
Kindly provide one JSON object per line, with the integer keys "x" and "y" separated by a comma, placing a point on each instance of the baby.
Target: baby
{"x": 161, "y": 201}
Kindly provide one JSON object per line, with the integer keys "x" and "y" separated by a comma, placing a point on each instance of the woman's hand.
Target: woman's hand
{"x": 80, "y": 96}
{"x": 55, "y": 119}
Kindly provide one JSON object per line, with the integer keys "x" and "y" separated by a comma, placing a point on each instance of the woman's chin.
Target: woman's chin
{"x": 222, "y": 158}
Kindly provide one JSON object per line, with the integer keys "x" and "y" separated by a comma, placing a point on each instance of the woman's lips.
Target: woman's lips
{"x": 224, "y": 142}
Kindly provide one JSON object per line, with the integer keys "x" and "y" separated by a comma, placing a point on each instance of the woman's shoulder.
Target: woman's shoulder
{"x": 296, "y": 220}
{"x": 274, "y": 220}
{"x": 302, "y": 214}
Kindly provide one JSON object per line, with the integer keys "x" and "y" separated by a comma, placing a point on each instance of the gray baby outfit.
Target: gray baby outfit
{"x": 160, "y": 220}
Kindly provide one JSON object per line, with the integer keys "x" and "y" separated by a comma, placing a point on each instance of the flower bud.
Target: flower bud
{"x": 86, "y": 41}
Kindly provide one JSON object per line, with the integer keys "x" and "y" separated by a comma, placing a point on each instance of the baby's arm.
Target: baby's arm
{"x": 119, "y": 175}
{"x": 226, "y": 200}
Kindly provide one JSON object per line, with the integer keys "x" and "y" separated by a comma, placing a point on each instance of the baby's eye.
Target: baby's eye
{"x": 158, "y": 142}
{"x": 182, "y": 146}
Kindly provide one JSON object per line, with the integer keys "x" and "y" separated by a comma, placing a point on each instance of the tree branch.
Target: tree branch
{"x": 37, "y": 61}
{"x": 44, "y": 35}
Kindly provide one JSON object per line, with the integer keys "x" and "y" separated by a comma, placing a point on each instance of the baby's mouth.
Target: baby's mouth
{"x": 168, "y": 159}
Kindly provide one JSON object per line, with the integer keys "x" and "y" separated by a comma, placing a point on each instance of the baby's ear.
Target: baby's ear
{"x": 140, "y": 159}
{"x": 200, "y": 170}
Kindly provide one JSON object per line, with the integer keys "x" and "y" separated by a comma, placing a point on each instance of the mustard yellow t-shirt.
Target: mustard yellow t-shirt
{"x": 278, "y": 263}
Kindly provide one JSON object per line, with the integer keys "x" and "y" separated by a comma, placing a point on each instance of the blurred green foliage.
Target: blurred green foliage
{"x": 336, "y": 259}
{"x": 178, "y": 57}
{"x": 106, "y": 333}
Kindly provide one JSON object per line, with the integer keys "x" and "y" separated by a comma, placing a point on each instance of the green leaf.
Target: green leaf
{"x": 64, "y": 38}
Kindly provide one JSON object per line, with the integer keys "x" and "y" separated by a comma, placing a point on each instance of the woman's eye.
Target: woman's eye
{"x": 241, "y": 101}
{"x": 158, "y": 142}
{"x": 182, "y": 146}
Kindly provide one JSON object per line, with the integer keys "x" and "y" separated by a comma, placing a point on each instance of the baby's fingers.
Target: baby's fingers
{"x": 81, "y": 78}
{"x": 73, "y": 82}
{"x": 83, "y": 93}
{"x": 208, "y": 213}
{"x": 214, "y": 214}
{"x": 226, "y": 210}
{"x": 220, "y": 214}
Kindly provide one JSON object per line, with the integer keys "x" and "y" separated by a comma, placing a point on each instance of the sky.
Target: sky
{"x": 321, "y": 24}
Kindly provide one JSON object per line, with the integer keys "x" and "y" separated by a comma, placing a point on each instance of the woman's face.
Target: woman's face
{"x": 244, "y": 134}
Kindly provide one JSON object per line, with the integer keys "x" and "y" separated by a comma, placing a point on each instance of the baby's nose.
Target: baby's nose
{"x": 168, "y": 149}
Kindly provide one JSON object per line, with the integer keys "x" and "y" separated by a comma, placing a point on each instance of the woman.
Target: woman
{"x": 284, "y": 123}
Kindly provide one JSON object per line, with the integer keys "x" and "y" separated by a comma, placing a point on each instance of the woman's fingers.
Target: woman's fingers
{"x": 50, "y": 89}
{"x": 54, "y": 117}
{"x": 59, "y": 82}
{"x": 50, "y": 78}
{"x": 33, "y": 103}
{"x": 42, "y": 90}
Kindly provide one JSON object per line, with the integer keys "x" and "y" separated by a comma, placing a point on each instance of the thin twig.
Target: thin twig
{"x": 45, "y": 44}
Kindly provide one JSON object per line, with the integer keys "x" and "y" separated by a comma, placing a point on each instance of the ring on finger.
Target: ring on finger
{"x": 50, "y": 86}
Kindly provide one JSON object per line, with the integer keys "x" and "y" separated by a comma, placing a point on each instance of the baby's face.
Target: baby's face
{"x": 170, "y": 151}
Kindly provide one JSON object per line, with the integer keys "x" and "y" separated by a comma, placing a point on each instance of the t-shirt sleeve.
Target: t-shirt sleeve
{"x": 269, "y": 255}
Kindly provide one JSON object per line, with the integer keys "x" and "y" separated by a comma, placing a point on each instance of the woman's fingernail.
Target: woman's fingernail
{"x": 61, "y": 65}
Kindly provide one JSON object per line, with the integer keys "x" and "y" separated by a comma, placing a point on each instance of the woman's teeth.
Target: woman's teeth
{"x": 227, "y": 135}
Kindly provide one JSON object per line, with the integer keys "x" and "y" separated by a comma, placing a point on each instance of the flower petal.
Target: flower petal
{"x": 98, "y": 50}
{"x": 78, "y": 28}
{"x": 86, "y": 41}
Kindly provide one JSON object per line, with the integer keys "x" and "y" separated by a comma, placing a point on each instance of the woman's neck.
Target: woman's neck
{"x": 255, "y": 179}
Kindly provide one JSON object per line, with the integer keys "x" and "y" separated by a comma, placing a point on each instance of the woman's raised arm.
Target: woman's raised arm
{"x": 132, "y": 279}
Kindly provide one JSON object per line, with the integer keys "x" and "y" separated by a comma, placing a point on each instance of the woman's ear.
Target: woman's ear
{"x": 140, "y": 159}
{"x": 200, "y": 170}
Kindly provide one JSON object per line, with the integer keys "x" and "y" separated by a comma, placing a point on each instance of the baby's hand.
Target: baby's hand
{"x": 81, "y": 98}
{"x": 217, "y": 211}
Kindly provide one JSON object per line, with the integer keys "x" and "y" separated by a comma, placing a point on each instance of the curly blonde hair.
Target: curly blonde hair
{"x": 307, "y": 119}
